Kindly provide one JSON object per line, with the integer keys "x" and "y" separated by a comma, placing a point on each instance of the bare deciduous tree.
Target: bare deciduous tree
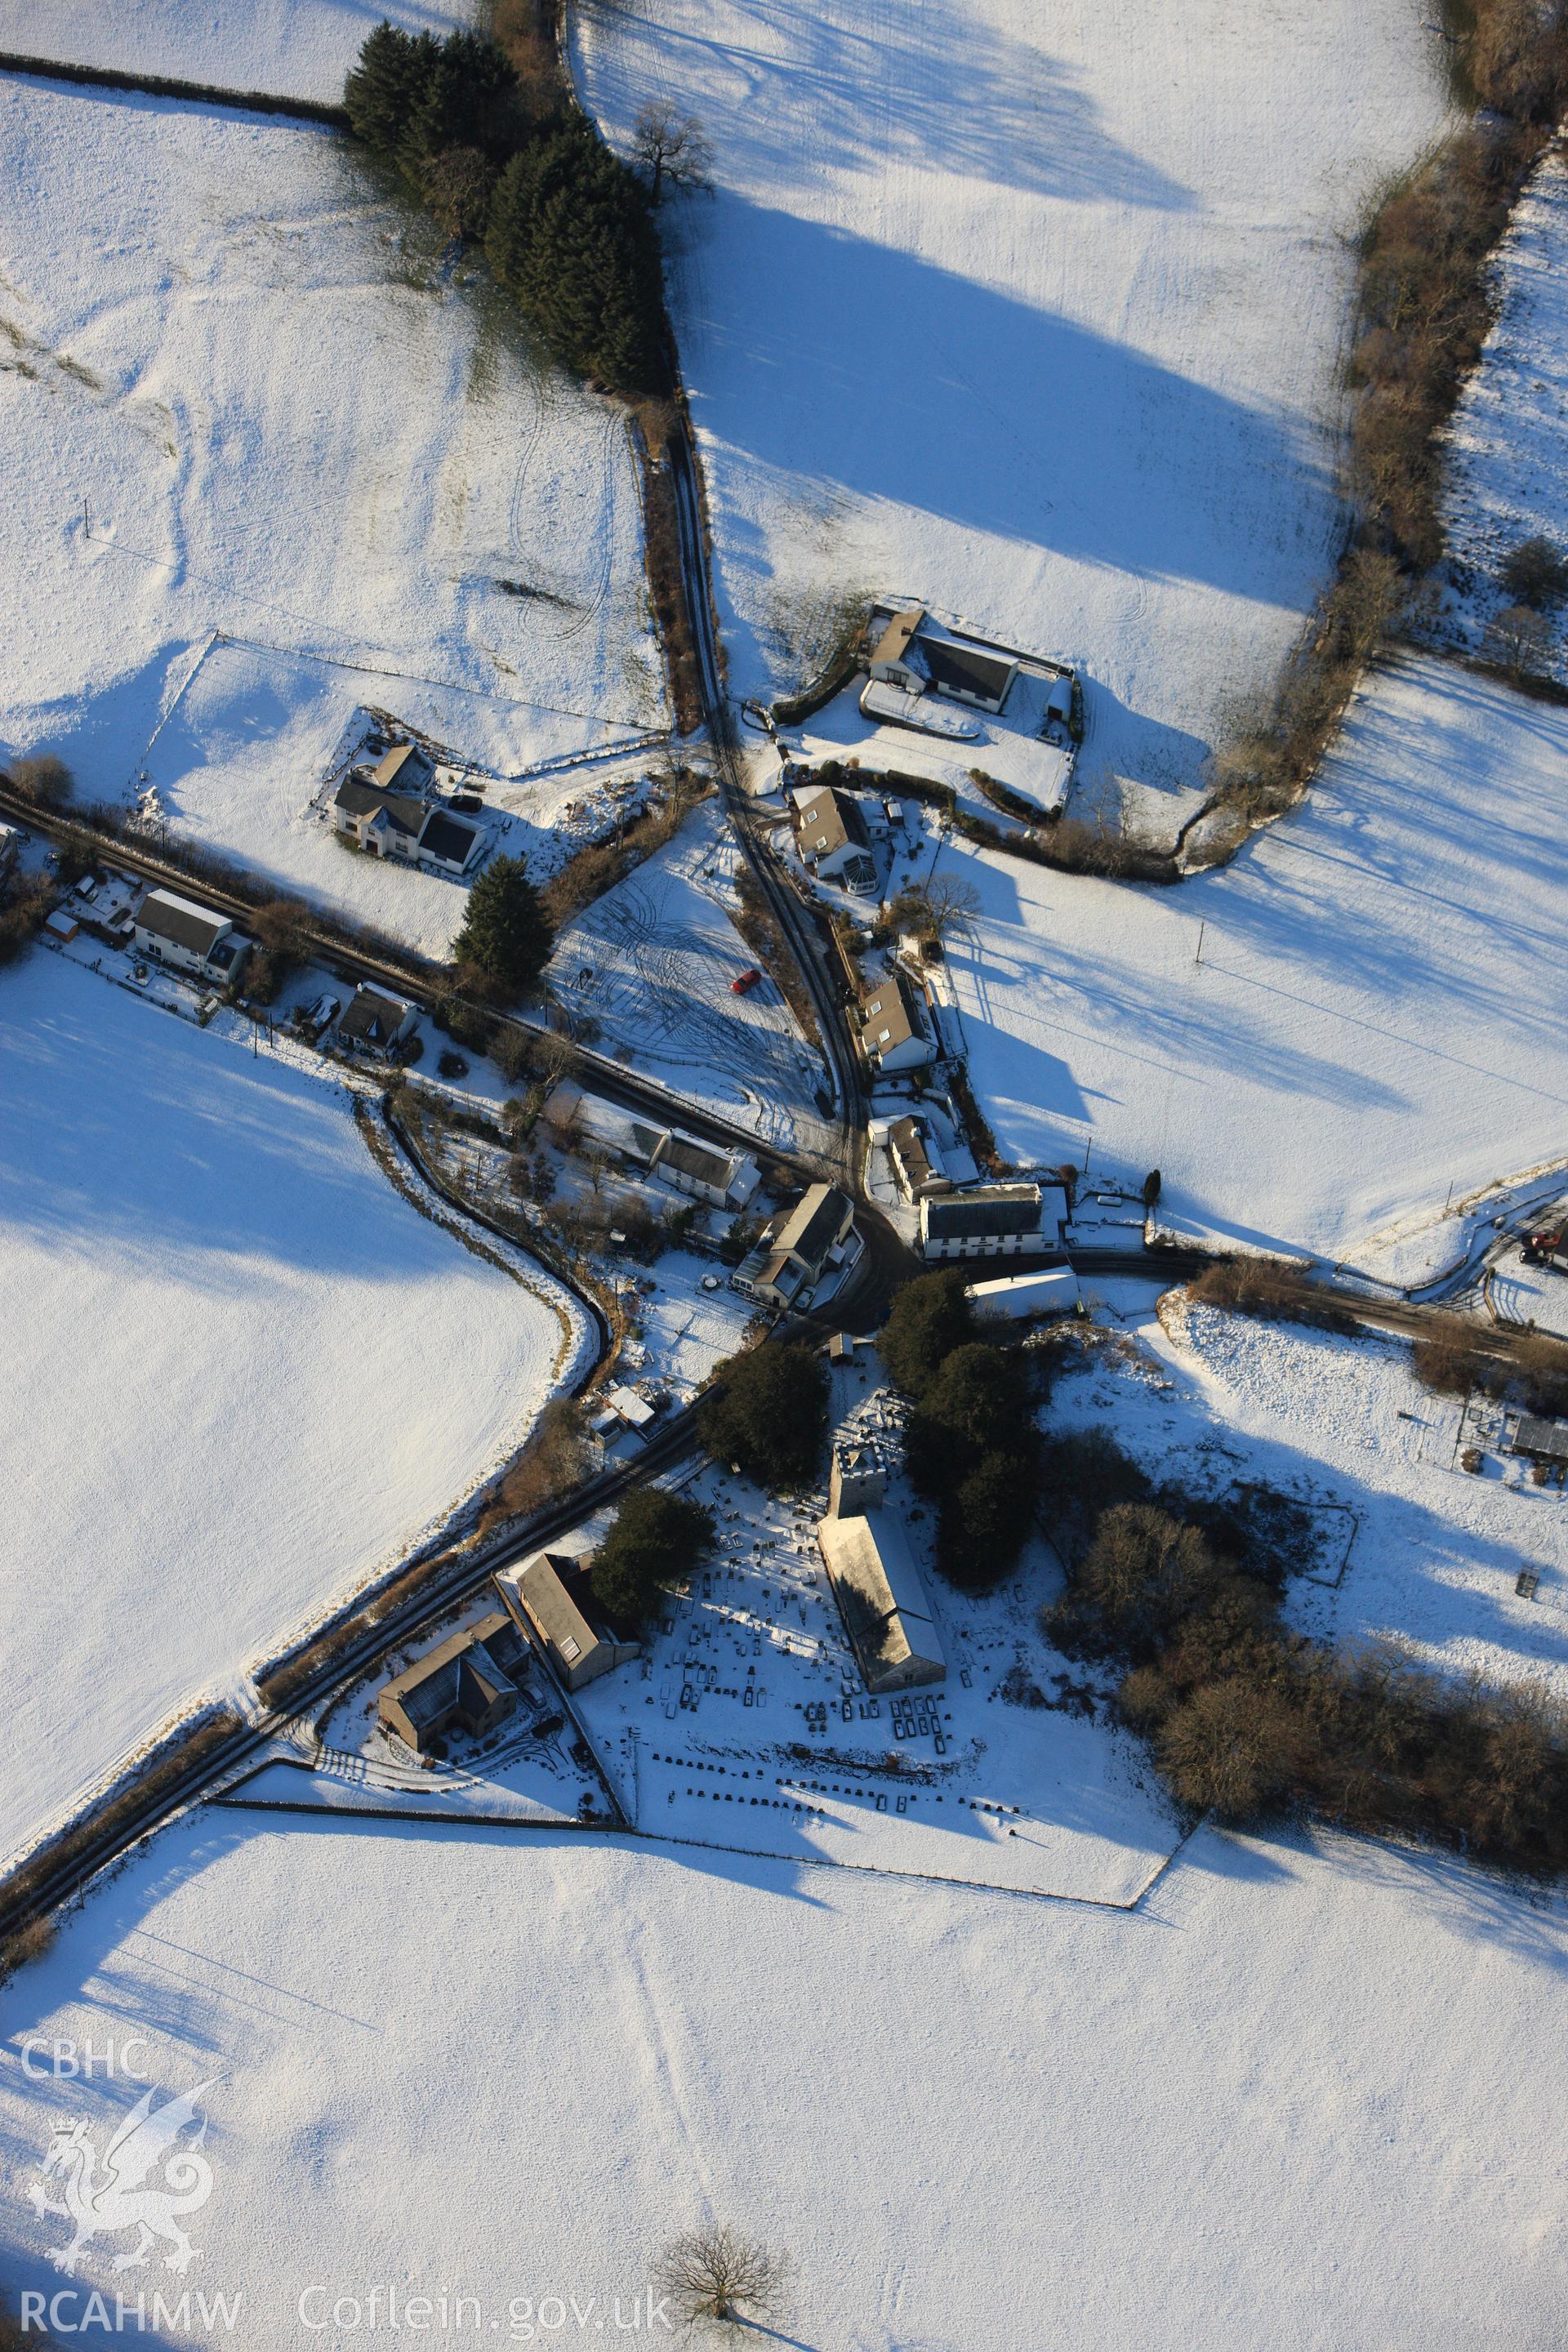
{"x": 930, "y": 910}
{"x": 951, "y": 903}
{"x": 671, "y": 150}
{"x": 43, "y": 778}
{"x": 1534, "y": 573}
{"x": 713, "y": 2272}
{"x": 1227, "y": 1747}
{"x": 1518, "y": 639}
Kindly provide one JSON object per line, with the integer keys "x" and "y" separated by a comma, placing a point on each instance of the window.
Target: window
{"x": 570, "y": 1648}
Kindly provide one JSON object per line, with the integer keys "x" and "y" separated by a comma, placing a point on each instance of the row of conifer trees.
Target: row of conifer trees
{"x": 565, "y": 224}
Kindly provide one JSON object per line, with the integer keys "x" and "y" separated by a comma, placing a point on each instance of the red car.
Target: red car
{"x": 748, "y": 980}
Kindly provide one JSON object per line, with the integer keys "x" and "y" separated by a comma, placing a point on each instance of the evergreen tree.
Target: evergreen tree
{"x": 571, "y": 237}
{"x": 929, "y": 1318}
{"x": 507, "y": 932}
{"x": 985, "y": 1521}
{"x": 977, "y": 1404}
{"x": 767, "y": 1413}
{"x": 467, "y": 101}
{"x": 656, "y": 1539}
{"x": 384, "y": 91}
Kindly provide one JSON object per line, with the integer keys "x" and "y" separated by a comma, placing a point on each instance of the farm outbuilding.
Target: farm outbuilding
{"x": 1013, "y": 1297}
{"x": 1542, "y": 1441}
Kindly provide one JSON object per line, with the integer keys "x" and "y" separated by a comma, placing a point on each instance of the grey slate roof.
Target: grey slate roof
{"x": 449, "y": 837}
{"x": 965, "y": 668}
{"x": 697, "y": 1160}
{"x": 357, "y": 796}
{"x": 1547, "y": 1440}
{"x": 812, "y": 1226}
{"x": 984, "y": 1209}
{"x": 375, "y": 1018}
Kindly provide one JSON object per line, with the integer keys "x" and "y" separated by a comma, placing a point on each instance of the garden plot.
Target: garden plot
{"x": 1010, "y": 749}
{"x": 1376, "y": 1024}
{"x": 1303, "y": 2095}
{"x": 241, "y": 1373}
{"x": 1507, "y": 473}
{"x": 530, "y": 1769}
{"x": 248, "y": 395}
{"x": 683, "y": 1319}
{"x": 1033, "y": 312}
{"x": 652, "y": 965}
{"x": 1395, "y": 1540}
{"x": 297, "y": 49}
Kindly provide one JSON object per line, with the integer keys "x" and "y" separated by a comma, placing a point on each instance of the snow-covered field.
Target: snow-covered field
{"x": 295, "y": 49}
{"x": 239, "y": 1370}
{"x": 1508, "y": 472}
{"x": 1380, "y": 1012}
{"x": 1303, "y": 2097}
{"x": 1031, "y": 311}
{"x": 653, "y": 963}
{"x": 246, "y": 394}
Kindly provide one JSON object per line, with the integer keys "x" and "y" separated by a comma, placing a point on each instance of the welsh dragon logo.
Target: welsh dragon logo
{"x": 103, "y": 2202}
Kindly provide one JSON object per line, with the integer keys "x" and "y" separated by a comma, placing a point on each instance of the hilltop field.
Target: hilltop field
{"x": 1323, "y": 1043}
{"x": 1298, "y": 2097}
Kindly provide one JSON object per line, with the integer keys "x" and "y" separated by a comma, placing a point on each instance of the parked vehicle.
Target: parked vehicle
{"x": 1548, "y": 1247}
{"x": 747, "y": 980}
